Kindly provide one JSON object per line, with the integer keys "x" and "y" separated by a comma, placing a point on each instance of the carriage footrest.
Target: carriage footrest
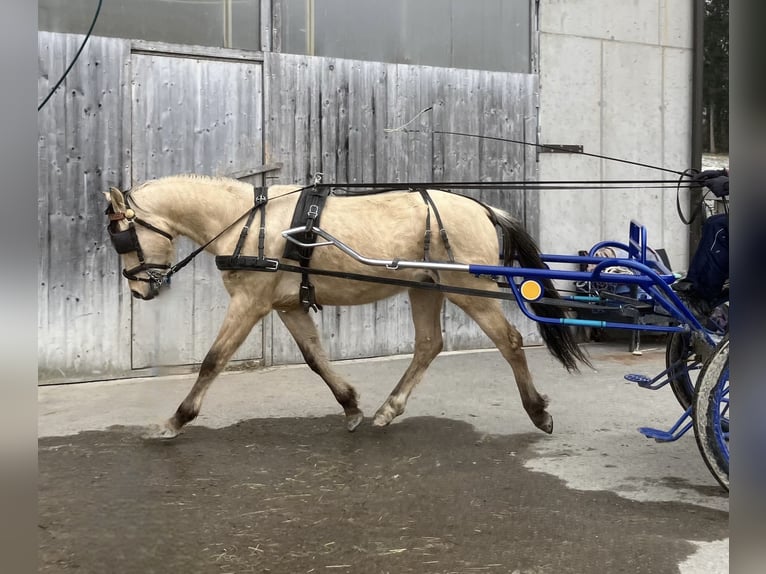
{"x": 647, "y": 383}
{"x": 657, "y": 434}
{"x": 683, "y": 424}
{"x": 641, "y": 380}
{"x": 245, "y": 263}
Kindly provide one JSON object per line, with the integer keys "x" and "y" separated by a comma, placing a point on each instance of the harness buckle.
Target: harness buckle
{"x": 307, "y": 297}
{"x": 270, "y": 264}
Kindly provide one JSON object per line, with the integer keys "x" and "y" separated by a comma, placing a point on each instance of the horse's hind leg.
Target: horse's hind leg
{"x": 304, "y": 331}
{"x": 239, "y": 321}
{"x": 488, "y": 314}
{"x": 426, "y": 315}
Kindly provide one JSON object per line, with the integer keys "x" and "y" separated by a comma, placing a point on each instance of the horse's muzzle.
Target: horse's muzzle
{"x": 154, "y": 290}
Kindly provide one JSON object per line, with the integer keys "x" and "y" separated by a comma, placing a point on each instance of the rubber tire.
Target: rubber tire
{"x": 681, "y": 383}
{"x": 712, "y": 381}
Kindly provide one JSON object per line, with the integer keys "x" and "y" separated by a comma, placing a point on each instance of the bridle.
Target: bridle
{"x": 126, "y": 241}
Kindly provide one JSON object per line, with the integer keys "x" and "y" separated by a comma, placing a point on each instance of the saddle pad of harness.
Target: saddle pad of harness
{"x": 307, "y": 212}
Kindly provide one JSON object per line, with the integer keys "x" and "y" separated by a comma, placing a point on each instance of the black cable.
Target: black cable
{"x": 77, "y": 55}
{"x": 556, "y": 149}
{"x": 367, "y": 188}
{"x": 694, "y": 212}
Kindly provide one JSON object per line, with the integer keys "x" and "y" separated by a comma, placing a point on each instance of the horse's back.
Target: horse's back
{"x": 387, "y": 226}
{"x": 393, "y": 225}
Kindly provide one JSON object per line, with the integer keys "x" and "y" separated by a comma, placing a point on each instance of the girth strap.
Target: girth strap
{"x": 307, "y": 212}
{"x": 442, "y": 231}
{"x": 427, "y": 235}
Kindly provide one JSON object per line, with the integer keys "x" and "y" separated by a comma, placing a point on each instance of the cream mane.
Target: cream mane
{"x": 235, "y": 186}
{"x": 226, "y": 182}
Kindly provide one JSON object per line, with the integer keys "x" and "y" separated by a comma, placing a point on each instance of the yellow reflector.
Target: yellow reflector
{"x": 531, "y": 290}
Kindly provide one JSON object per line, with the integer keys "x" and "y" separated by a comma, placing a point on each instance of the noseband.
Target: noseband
{"x": 126, "y": 241}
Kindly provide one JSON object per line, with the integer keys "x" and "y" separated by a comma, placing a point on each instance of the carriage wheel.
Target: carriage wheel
{"x": 679, "y": 350}
{"x": 711, "y": 413}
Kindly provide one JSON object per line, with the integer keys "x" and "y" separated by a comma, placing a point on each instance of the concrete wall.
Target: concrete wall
{"x": 616, "y": 80}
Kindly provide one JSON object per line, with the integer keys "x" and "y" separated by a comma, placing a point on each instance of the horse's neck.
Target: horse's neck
{"x": 199, "y": 208}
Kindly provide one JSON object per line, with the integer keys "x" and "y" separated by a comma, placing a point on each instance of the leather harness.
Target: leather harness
{"x": 307, "y": 213}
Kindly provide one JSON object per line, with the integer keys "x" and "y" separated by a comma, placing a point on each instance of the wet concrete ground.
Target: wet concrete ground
{"x": 461, "y": 483}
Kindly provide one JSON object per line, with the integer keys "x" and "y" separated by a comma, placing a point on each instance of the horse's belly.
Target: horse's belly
{"x": 342, "y": 293}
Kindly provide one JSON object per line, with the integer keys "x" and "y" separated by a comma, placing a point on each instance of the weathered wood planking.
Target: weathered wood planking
{"x": 199, "y": 116}
{"x": 496, "y": 105}
{"x": 333, "y": 116}
{"x": 83, "y": 148}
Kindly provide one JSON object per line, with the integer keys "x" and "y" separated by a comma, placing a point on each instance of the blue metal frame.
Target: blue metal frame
{"x": 675, "y": 432}
{"x": 650, "y": 276}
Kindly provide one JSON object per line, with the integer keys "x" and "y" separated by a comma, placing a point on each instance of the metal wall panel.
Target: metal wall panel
{"x": 195, "y": 22}
{"x": 472, "y": 34}
{"x": 331, "y": 115}
{"x": 203, "y": 116}
{"x": 83, "y": 148}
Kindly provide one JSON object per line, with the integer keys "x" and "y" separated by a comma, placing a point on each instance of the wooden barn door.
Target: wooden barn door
{"x": 191, "y": 115}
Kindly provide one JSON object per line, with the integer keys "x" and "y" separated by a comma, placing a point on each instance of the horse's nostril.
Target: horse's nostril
{"x": 137, "y": 295}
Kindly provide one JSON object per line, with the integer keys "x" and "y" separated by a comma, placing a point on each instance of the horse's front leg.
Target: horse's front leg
{"x": 304, "y": 331}
{"x": 240, "y": 318}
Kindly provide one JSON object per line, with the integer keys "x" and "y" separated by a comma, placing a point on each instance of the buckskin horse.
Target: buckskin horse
{"x": 212, "y": 212}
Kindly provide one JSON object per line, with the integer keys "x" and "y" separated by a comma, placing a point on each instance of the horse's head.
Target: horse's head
{"x": 145, "y": 248}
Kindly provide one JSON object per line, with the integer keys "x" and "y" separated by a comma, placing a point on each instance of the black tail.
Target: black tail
{"x": 519, "y": 245}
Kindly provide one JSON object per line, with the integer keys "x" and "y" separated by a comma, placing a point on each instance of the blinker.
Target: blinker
{"x": 124, "y": 241}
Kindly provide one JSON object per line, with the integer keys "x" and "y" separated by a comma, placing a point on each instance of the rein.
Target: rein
{"x": 186, "y": 260}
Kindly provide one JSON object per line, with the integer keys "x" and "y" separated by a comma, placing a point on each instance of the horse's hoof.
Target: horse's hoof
{"x": 353, "y": 421}
{"x": 384, "y": 417}
{"x": 381, "y": 421}
{"x": 387, "y": 413}
{"x": 546, "y": 425}
{"x": 161, "y": 432}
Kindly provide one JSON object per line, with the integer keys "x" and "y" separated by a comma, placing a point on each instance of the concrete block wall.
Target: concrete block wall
{"x": 615, "y": 77}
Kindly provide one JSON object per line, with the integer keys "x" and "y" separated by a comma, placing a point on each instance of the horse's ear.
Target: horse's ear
{"x": 117, "y": 199}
